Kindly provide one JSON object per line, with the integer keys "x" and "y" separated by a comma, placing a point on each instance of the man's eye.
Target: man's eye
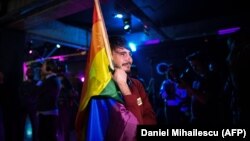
{"x": 123, "y": 54}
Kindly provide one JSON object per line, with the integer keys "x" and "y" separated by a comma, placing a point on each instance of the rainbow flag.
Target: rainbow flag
{"x": 98, "y": 82}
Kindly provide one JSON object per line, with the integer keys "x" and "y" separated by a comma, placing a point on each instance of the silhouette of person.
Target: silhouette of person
{"x": 205, "y": 91}
{"x": 175, "y": 97}
{"x": 28, "y": 98}
{"x": 47, "y": 102}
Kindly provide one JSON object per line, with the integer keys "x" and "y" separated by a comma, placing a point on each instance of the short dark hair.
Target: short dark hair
{"x": 198, "y": 56}
{"x": 194, "y": 56}
{"x": 118, "y": 41}
{"x": 52, "y": 65}
{"x": 62, "y": 67}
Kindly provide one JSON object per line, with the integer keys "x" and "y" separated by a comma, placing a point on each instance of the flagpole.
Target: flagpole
{"x": 104, "y": 30}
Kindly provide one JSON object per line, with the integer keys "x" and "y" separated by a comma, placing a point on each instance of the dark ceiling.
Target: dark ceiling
{"x": 69, "y": 22}
{"x": 170, "y": 19}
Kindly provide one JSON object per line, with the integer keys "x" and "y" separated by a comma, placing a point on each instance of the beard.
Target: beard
{"x": 127, "y": 67}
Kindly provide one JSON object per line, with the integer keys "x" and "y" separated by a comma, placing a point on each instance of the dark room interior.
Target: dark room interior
{"x": 163, "y": 33}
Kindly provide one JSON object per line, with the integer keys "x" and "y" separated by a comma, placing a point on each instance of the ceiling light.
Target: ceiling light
{"x": 58, "y": 45}
{"x": 127, "y": 24}
{"x": 119, "y": 16}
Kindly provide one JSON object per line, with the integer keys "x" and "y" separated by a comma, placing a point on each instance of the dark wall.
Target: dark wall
{"x": 11, "y": 55}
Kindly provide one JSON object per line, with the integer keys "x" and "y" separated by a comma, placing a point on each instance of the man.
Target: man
{"x": 136, "y": 104}
{"x": 205, "y": 92}
{"x": 238, "y": 62}
{"x": 28, "y": 98}
{"x": 65, "y": 102}
{"x": 118, "y": 119}
{"x": 132, "y": 90}
{"x": 47, "y": 102}
{"x": 175, "y": 98}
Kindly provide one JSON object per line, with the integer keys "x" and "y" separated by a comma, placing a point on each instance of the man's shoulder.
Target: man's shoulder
{"x": 136, "y": 82}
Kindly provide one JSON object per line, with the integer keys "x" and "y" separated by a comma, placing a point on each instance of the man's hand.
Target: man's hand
{"x": 120, "y": 77}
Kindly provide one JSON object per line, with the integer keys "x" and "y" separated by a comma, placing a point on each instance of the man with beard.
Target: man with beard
{"x": 132, "y": 90}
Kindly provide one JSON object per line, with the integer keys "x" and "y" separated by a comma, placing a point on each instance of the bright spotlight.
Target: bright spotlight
{"x": 119, "y": 16}
{"x": 58, "y": 46}
{"x": 132, "y": 46}
{"x": 127, "y": 24}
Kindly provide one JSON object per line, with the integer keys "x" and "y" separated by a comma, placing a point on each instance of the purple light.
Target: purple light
{"x": 228, "y": 30}
{"x": 25, "y": 68}
{"x": 30, "y": 51}
{"x": 82, "y": 79}
{"x": 60, "y": 57}
{"x": 151, "y": 42}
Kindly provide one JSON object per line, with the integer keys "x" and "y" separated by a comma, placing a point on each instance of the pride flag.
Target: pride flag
{"x": 98, "y": 80}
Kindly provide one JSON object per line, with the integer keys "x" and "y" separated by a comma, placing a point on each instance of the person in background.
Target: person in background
{"x": 238, "y": 62}
{"x": 205, "y": 92}
{"x": 175, "y": 97}
{"x": 28, "y": 98}
{"x": 47, "y": 105}
{"x": 65, "y": 102}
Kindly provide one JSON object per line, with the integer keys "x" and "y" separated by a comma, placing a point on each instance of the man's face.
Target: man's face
{"x": 30, "y": 73}
{"x": 43, "y": 69}
{"x": 122, "y": 58}
{"x": 196, "y": 66}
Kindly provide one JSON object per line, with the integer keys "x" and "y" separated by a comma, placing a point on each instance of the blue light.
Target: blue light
{"x": 29, "y": 132}
{"x": 58, "y": 46}
{"x": 126, "y": 27}
{"x": 127, "y": 24}
{"x": 119, "y": 16}
{"x": 28, "y": 129}
{"x": 132, "y": 46}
